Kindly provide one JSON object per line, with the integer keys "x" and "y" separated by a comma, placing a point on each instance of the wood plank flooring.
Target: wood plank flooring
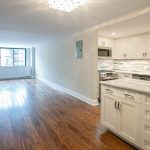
{"x": 36, "y": 117}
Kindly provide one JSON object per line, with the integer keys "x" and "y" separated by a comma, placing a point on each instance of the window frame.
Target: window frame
{"x": 25, "y": 49}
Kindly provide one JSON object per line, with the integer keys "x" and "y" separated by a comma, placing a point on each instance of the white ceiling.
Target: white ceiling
{"x": 34, "y": 17}
{"x": 134, "y": 26}
{"x": 21, "y": 39}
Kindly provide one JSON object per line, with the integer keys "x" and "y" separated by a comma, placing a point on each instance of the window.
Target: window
{"x": 19, "y": 57}
{"x": 12, "y": 57}
{"x": 6, "y": 57}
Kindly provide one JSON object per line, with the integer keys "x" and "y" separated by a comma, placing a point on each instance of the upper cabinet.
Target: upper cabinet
{"x": 143, "y": 47}
{"x": 105, "y": 42}
{"x": 124, "y": 48}
{"x": 132, "y": 48}
{"x": 119, "y": 49}
{"x": 137, "y": 47}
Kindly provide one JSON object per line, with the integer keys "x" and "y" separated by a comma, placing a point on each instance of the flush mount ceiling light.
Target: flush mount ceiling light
{"x": 65, "y": 5}
{"x": 114, "y": 33}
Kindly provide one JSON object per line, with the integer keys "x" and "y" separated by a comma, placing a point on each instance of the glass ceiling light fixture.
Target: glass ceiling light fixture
{"x": 65, "y": 5}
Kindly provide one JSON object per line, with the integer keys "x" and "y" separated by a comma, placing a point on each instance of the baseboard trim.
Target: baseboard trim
{"x": 90, "y": 101}
{"x": 15, "y": 78}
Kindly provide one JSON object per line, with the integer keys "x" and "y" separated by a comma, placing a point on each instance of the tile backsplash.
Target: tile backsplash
{"x": 126, "y": 66}
{"x": 105, "y": 64}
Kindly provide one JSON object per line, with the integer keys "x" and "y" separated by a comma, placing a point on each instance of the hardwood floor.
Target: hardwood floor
{"x": 36, "y": 117}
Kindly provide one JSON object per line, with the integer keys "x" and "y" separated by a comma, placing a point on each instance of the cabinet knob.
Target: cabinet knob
{"x": 116, "y": 104}
{"x": 145, "y": 54}
{"x": 124, "y": 55}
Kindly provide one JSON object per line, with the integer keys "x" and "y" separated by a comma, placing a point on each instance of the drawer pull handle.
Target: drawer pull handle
{"x": 119, "y": 106}
{"x": 129, "y": 96}
{"x": 116, "y": 104}
{"x": 109, "y": 91}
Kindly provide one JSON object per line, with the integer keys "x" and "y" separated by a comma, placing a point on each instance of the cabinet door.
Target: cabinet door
{"x": 145, "y": 134}
{"x": 119, "y": 48}
{"x": 105, "y": 42}
{"x": 131, "y": 48}
{"x": 109, "y": 113}
{"x": 125, "y": 49}
{"x": 143, "y": 47}
{"x": 129, "y": 121}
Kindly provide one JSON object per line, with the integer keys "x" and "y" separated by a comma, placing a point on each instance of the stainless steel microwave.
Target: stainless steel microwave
{"x": 104, "y": 52}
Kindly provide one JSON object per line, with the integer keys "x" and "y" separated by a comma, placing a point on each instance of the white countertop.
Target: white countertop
{"x": 132, "y": 84}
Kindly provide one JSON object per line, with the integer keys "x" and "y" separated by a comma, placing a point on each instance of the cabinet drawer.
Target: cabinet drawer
{"x": 132, "y": 96}
{"x": 145, "y": 112}
{"x": 145, "y": 134}
{"x": 145, "y": 99}
{"x": 113, "y": 91}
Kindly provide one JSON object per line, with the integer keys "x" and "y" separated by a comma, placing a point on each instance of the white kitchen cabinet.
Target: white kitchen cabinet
{"x": 137, "y": 47}
{"x": 145, "y": 135}
{"x": 129, "y": 121}
{"x": 124, "y": 48}
{"x": 145, "y": 122}
{"x": 131, "y": 49}
{"x": 145, "y": 99}
{"x": 120, "y": 112}
{"x": 109, "y": 114}
{"x": 143, "y": 47}
{"x": 119, "y": 48}
{"x": 105, "y": 42}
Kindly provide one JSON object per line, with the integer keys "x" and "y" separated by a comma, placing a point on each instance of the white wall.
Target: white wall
{"x": 56, "y": 63}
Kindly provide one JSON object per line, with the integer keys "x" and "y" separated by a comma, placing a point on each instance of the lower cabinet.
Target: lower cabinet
{"x": 145, "y": 123}
{"x": 145, "y": 134}
{"x": 129, "y": 121}
{"x": 121, "y": 115}
{"x": 109, "y": 113}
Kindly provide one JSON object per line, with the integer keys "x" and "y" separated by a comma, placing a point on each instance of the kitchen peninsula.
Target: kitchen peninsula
{"x": 125, "y": 109}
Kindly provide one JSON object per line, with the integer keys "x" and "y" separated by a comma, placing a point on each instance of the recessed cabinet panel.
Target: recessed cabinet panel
{"x": 129, "y": 121}
{"x": 145, "y": 99}
{"x": 119, "y": 49}
{"x": 125, "y": 48}
{"x": 143, "y": 47}
{"x": 131, "y": 48}
{"x": 145, "y": 135}
{"x": 109, "y": 117}
{"x": 145, "y": 112}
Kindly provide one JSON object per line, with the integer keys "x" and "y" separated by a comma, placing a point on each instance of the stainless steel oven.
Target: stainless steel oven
{"x": 104, "y": 52}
